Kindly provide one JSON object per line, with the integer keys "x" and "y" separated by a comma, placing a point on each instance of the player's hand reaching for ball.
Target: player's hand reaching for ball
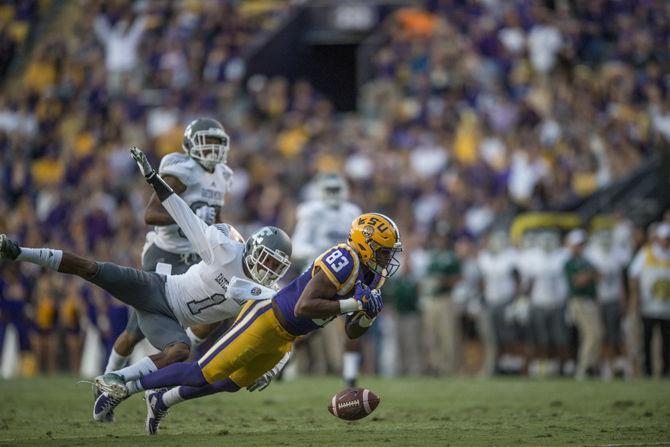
{"x": 142, "y": 162}
{"x": 370, "y": 299}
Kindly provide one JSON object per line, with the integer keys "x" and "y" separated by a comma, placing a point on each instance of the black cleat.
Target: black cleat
{"x": 9, "y": 249}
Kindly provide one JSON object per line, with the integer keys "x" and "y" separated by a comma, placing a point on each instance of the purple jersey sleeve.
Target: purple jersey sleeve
{"x": 340, "y": 264}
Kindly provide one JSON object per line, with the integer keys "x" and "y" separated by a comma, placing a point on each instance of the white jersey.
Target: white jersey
{"x": 199, "y": 295}
{"x": 497, "y": 271}
{"x": 651, "y": 266}
{"x": 610, "y": 265}
{"x": 547, "y": 271}
{"x": 319, "y": 227}
{"x": 202, "y": 188}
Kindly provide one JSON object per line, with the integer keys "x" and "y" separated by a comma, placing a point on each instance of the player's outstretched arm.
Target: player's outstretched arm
{"x": 192, "y": 226}
{"x": 317, "y": 299}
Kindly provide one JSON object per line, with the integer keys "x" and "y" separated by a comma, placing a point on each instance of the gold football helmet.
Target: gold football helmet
{"x": 376, "y": 239}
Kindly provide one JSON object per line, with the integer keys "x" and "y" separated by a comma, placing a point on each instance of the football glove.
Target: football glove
{"x": 262, "y": 382}
{"x": 370, "y": 299}
{"x": 142, "y": 162}
{"x": 207, "y": 214}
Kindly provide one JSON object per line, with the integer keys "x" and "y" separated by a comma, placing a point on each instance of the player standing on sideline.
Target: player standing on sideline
{"x": 649, "y": 277}
{"x": 343, "y": 280}
{"x": 322, "y": 223}
{"x": 610, "y": 261}
{"x": 201, "y": 177}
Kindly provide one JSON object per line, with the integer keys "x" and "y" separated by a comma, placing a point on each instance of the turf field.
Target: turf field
{"x": 412, "y": 412}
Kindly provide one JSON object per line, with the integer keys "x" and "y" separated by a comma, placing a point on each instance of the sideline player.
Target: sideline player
{"x": 322, "y": 223}
{"x": 165, "y": 305}
{"x": 201, "y": 177}
{"x": 343, "y": 280}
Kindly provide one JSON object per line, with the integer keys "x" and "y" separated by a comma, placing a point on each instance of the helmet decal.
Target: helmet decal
{"x": 367, "y": 231}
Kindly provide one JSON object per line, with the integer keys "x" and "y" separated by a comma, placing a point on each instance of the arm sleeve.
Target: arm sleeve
{"x": 101, "y": 28}
{"x": 137, "y": 28}
{"x": 340, "y": 264}
{"x": 194, "y": 228}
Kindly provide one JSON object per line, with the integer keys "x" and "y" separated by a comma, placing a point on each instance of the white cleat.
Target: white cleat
{"x": 112, "y": 384}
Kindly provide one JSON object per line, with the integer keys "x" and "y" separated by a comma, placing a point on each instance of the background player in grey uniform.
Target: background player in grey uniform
{"x": 200, "y": 177}
{"x": 610, "y": 261}
{"x": 500, "y": 279}
{"x": 321, "y": 223}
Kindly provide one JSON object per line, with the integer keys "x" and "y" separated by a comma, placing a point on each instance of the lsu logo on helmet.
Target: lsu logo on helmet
{"x": 376, "y": 239}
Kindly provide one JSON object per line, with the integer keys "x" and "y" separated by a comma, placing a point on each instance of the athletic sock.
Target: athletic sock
{"x": 137, "y": 370}
{"x": 46, "y": 257}
{"x": 115, "y": 361}
{"x": 172, "y": 397}
{"x": 134, "y": 387}
{"x": 351, "y": 362}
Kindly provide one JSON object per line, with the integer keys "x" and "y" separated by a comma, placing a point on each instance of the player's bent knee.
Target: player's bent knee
{"x": 178, "y": 352}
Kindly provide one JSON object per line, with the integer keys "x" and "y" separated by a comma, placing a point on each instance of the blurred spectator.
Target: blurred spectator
{"x": 582, "y": 278}
{"x": 45, "y": 325}
{"x": 71, "y": 312}
{"x": 440, "y": 314}
{"x": 121, "y": 40}
{"x": 7, "y": 48}
{"x": 649, "y": 275}
{"x": 402, "y": 291}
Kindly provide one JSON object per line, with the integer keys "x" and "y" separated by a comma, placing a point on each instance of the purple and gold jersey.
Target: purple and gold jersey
{"x": 342, "y": 267}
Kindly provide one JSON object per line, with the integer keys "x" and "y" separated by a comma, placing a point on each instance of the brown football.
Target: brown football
{"x": 353, "y": 403}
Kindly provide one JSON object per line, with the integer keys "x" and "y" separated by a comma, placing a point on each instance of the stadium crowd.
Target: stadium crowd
{"x": 474, "y": 110}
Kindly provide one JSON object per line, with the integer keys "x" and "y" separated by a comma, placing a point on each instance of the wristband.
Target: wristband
{"x": 349, "y": 305}
{"x": 163, "y": 190}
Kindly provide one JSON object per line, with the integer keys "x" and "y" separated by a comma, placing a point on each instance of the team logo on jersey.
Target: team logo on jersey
{"x": 256, "y": 291}
{"x": 367, "y": 231}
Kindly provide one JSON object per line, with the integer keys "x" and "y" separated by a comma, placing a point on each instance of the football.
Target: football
{"x": 353, "y": 403}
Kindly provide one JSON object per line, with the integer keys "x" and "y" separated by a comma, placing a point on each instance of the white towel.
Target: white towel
{"x": 240, "y": 289}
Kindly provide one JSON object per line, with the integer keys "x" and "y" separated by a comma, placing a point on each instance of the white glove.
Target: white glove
{"x": 262, "y": 382}
{"x": 142, "y": 162}
{"x": 207, "y": 214}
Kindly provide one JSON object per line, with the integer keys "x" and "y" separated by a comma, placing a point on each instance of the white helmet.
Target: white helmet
{"x": 332, "y": 189}
{"x": 206, "y": 141}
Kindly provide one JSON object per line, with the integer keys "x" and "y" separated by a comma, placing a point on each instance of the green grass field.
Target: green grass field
{"x": 412, "y": 412}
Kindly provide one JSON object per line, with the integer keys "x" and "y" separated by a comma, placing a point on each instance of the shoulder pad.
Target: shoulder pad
{"x": 177, "y": 165}
{"x": 225, "y": 170}
{"x": 341, "y": 265}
